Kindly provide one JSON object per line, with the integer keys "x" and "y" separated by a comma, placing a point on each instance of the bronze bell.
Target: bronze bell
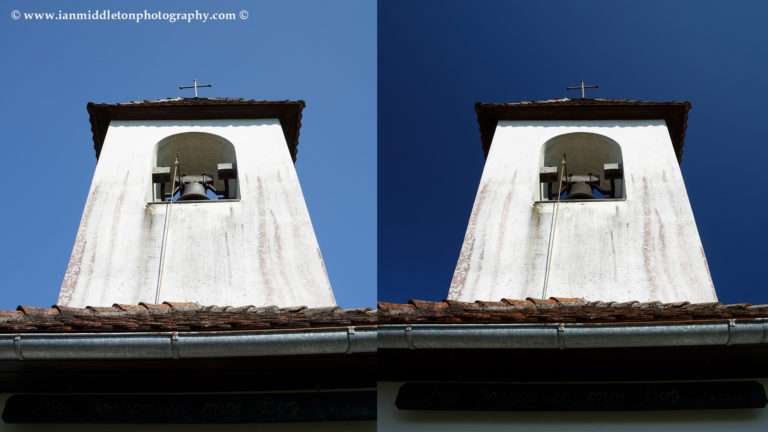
{"x": 580, "y": 190}
{"x": 193, "y": 188}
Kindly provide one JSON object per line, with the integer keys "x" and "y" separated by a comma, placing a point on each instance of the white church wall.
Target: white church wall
{"x": 392, "y": 419}
{"x": 643, "y": 248}
{"x": 260, "y": 250}
{"x": 359, "y": 426}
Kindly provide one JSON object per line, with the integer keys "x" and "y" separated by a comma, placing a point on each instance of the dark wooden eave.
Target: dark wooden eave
{"x": 590, "y": 364}
{"x": 288, "y": 112}
{"x": 236, "y": 374}
{"x": 674, "y": 113}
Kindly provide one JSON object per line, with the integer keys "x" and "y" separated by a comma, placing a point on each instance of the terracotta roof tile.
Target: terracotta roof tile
{"x": 629, "y": 304}
{"x": 428, "y": 305}
{"x": 156, "y": 308}
{"x": 542, "y": 302}
{"x": 488, "y": 306}
{"x": 137, "y": 308}
{"x": 103, "y": 311}
{"x": 322, "y": 310}
{"x": 460, "y": 305}
{"x": 387, "y": 305}
{"x": 70, "y": 311}
{"x": 10, "y": 315}
{"x": 183, "y": 307}
{"x": 522, "y": 304}
{"x": 263, "y": 309}
{"x": 568, "y": 300}
{"x": 37, "y": 311}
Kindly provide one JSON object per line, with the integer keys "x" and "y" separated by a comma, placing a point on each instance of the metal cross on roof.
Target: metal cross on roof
{"x": 195, "y": 85}
{"x": 582, "y": 87}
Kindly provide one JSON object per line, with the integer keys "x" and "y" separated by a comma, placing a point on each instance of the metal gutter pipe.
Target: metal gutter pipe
{"x": 171, "y": 345}
{"x": 571, "y": 336}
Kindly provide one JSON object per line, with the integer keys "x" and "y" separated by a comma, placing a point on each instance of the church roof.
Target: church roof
{"x": 172, "y": 316}
{"x": 425, "y": 330}
{"x": 546, "y": 339}
{"x": 183, "y": 330}
{"x": 189, "y": 330}
{"x": 185, "y": 347}
{"x": 288, "y": 112}
{"x": 560, "y": 310}
{"x": 567, "y": 339}
{"x": 674, "y": 113}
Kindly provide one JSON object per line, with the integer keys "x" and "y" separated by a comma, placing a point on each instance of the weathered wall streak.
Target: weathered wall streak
{"x": 74, "y": 267}
{"x": 467, "y": 249}
{"x": 260, "y": 250}
{"x": 644, "y": 248}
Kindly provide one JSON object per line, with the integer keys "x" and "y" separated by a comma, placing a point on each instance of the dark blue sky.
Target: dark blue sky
{"x": 322, "y": 52}
{"x": 437, "y": 58}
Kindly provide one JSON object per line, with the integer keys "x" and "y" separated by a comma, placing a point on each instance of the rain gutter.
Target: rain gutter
{"x": 367, "y": 339}
{"x": 179, "y": 345}
{"x": 571, "y": 335}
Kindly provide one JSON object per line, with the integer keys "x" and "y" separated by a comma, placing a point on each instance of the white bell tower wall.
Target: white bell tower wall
{"x": 642, "y": 247}
{"x": 258, "y": 249}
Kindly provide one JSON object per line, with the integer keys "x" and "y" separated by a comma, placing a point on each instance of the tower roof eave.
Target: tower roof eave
{"x": 675, "y": 113}
{"x": 288, "y": 112}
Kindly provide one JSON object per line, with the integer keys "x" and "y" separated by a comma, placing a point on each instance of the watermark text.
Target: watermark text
{"x": 140, "y": 16}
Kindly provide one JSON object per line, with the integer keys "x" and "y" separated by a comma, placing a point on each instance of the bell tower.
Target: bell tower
{"x": 196, "y": 200}
{"x": 582, "y": 198}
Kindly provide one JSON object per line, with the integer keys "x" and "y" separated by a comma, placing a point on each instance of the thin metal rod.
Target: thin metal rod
{"x": 553, "y": 225}
{"x": 161, "y": 266}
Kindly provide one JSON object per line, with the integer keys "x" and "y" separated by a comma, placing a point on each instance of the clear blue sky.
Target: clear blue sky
{"x": 438, "y": 57}
{"x": 323, "y": 52}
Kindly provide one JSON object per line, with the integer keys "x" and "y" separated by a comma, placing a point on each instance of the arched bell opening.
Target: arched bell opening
{"x": 195, "y": 166}
{"x": 581, "y": 166}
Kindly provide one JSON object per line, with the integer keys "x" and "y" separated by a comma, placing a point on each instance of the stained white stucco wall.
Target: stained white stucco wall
{"x": 260, "y": 250}
{"x": 358, "y": 426}
{"x": 645, "y": 248}
{"x": 392, "y": 419}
